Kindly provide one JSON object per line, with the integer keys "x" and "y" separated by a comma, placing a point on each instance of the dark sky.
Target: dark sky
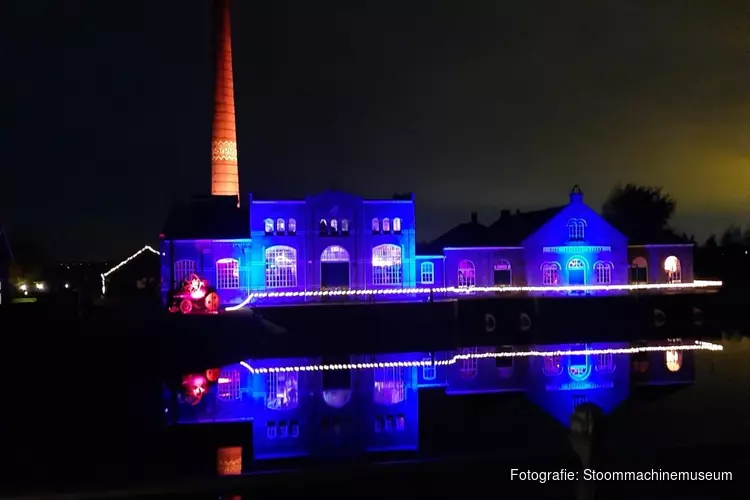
{"x": 471, "y": 104}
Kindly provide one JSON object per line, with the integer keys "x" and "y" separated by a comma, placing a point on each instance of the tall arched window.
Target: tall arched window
{"x": 344, "y": 226}
{"x": 503, "y": 273}
{"x": 282, "y": 390}
{"x": 605, "y": 363}
{"x": 292, "y": 227}
{"x": 386, "y": 225}
{"x": 576, "y": 229}
{"x": 468, "y": 367}
{"x": 323, "y": 227}
{"x": 551, "y": 273}
{"x": 576, "y": 272}
{"x": 603, "y": 273}
{"x": 334, "y": 226}
{"x": 467, "y": 274}
{"x": 389, "y": 386}
{"x": 427, "y": 273}
{"x": 397, "y": 224}
{"x": 281, "y": 267}
{"x": 386, "y": 265}
{"x": 375, "y": 225}
{"x": 639, "y": 271}
{"x": 227, "y": 274}
{"x": 268, "y": 226}
{"x": 673, "y": 269}
{"x": 182, "y": 269}
{"x": 280, "y": 226}
{"x": 673, "y": 361}
{"x": 552, "y": 366}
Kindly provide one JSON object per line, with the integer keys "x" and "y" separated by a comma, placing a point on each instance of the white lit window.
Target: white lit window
{"x": 673, "y": 361}
{"x": 389, "y": 385}
{"x": 386, "y": 225}
{"x": 282, "y": 390}
{"x": 375, "y": 225}
{"x": 386, "y": 265}
{"x": 334, "y": 226}
{"x": 345, "y": 226}
{"x": 397, "y": 224}
{"x": 550, "y": 273}
{"x": 268, "y": 226}
{"x": 603, "y": 273}
{"x": 468, "y": 367}
{"x": 334, "y": 253}
{"x": 227, "y": 274}
{"x": 427, "y": 272}
{"x": 673, "y": 269}
{"x": 429, "y": 371}
{"x": 467, "y": 274}
{"x": 183, "y": 269}
{"x": 639, "y": 271}
{"x": 576, "y": 229}
{"x": 552, "y": 366}
{"x": 292, "y": 226}
{"x": 280, "y": 226}
{"x": 281, "y": 267}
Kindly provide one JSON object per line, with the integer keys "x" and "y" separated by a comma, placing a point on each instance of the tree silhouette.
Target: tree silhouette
{"x": 640, "y": 212}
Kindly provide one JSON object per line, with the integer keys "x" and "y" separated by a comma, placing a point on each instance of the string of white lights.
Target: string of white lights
{"x": 476, "y": 289}
{"x": 697, "y": 346}
{"x": 104, "y": 275}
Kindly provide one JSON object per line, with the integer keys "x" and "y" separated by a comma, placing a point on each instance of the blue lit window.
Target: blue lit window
{"x": 280, "y": 226}
{"x": 268, "y": 226}
{"x": 375, "y": 225}
{"x": 576, "y": 229}
{"x": 183, "y": 269}
{"x": 429, "y": 371}
{"x": 603, "y": 273}
{"x": 291, "y": 228}
{"x": 427, "y": 273}
{"x": 227, "y": 274}
{"x": 344, "y": 226}
{"x": 467, "y": 274}
{"x": 282, "y": 390}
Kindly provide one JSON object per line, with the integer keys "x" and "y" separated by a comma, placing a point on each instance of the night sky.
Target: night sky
{"x": 473, "y": 105}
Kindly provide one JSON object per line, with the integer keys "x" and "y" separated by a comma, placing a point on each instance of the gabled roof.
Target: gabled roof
{"x": 215, "y": 217}
{"x": 467, "y": 234}
{"x": 512, "y": 229}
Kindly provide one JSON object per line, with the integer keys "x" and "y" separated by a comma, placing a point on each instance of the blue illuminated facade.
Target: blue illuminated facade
{"x": 336, "y": 242}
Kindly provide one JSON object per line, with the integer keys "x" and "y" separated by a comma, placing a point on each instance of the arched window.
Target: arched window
{"x": 576, "y": 272}
{"x": 389, "y": 385}
{"x": 605, "y": 363}
{"x": 551, "y": 273}
{"x": 673, "y": 269}
{"x": 323, "y": 227}
{"x": 468, "y": 367}
{"x": 552, "y": 366}
{"x": 576, "y": 229}
{"x": 639, "y": 271}
{"x": 467, "y": 274}
{"x": 375, "y": 225}
{"x": 282, "y": 390}
{"x": 334, "y": 226}
{"x": 397, "y": 224}
{"x": 344, "y": 226}
{"x": 386, "y": 265}
{"x": 673, "y": 361}
{"x": 227, "y": 274}
{"x": 292, "y": 227}
{"x": 603, "y": 273}
{"x": 183, "y": 269}
{"x": 280, "y": 226}
{"x": 281, "y": 267}
{"x": 427, "y": 273}
{"x": 334, "y": 253}
{"x": 386, "y": 225}
{"x": 503, "y": 273}
{"x": 268, "y": 226}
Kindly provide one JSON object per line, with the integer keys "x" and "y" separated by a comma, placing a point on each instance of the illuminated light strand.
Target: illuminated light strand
{"x": 475, "y": 289}
{"x": 697, "y": 346}
{"x": 118, "y": 266}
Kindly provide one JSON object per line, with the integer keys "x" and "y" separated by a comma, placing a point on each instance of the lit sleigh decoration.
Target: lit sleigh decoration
{"x": 194, "y": 296}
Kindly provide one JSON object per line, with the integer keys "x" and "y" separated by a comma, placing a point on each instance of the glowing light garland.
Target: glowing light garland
{"x": 697, "y": 346}
{"x": 118, "y": 266}
{"x": 476, "y": 289}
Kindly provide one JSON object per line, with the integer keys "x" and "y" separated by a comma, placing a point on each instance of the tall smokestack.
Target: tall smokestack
{"x": 224, "y": 172}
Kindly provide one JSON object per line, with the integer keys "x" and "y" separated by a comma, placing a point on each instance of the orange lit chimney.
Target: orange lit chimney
{"x": 224, "y": 172}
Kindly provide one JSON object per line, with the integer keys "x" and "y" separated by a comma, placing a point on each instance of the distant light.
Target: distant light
{"x": 25, "y": 292}
{"x": 23, "y": 287}
{"x": 67, "y": 285}
{"x": 39, "y": 286}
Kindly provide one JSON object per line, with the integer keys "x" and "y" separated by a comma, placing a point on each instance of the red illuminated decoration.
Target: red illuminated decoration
{"x": 224, "y": 170}
{"x": 193, "y": 388}
{"x": 213, "y": 374}
{"x": 195, "y": 296}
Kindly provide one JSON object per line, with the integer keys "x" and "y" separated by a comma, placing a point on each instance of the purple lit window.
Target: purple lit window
{"x": 268, "y": 226}
{"x": 228, "y": 386}
{"x": 386, "y": 225}
{"x": 603, "y": 273}
{"x": 427, "y": 273}
{"x": 375, "y": 225}
{"x": 280, "y": 226}
{"x": 282, "y": 390}
{"x": 396, "y": 224}
{"x": 467, "y": 274}
{"x": 639, "y": 271}
{"x": 227, "y": 274}
{"x": 551, "y": 273}
{"x": 605, "y": 363}
{"x": 183, "y": 269}
{"x": 334, "y": 226}
{"x": 386, "y": 265}
{"x": 468, "y": 367}
{"x": 673, "y": 269}
{"x": 281, "y": 267}
{"x": 389, "y": 385}
{"x": 344, "y": 226}
{"x": 576, "y": 229}
{"x": 292, "y": 227}
{"x": 552, "y": 366}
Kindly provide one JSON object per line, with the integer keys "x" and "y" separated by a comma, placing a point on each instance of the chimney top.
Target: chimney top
{"x": 474, "y": 217}
{"x": 576, "y": 195}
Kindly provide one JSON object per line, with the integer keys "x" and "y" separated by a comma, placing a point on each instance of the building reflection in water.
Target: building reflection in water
{"x": 331, "y": 407}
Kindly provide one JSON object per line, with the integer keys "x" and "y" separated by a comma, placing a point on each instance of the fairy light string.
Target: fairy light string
{"x": 104, "y": 275}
